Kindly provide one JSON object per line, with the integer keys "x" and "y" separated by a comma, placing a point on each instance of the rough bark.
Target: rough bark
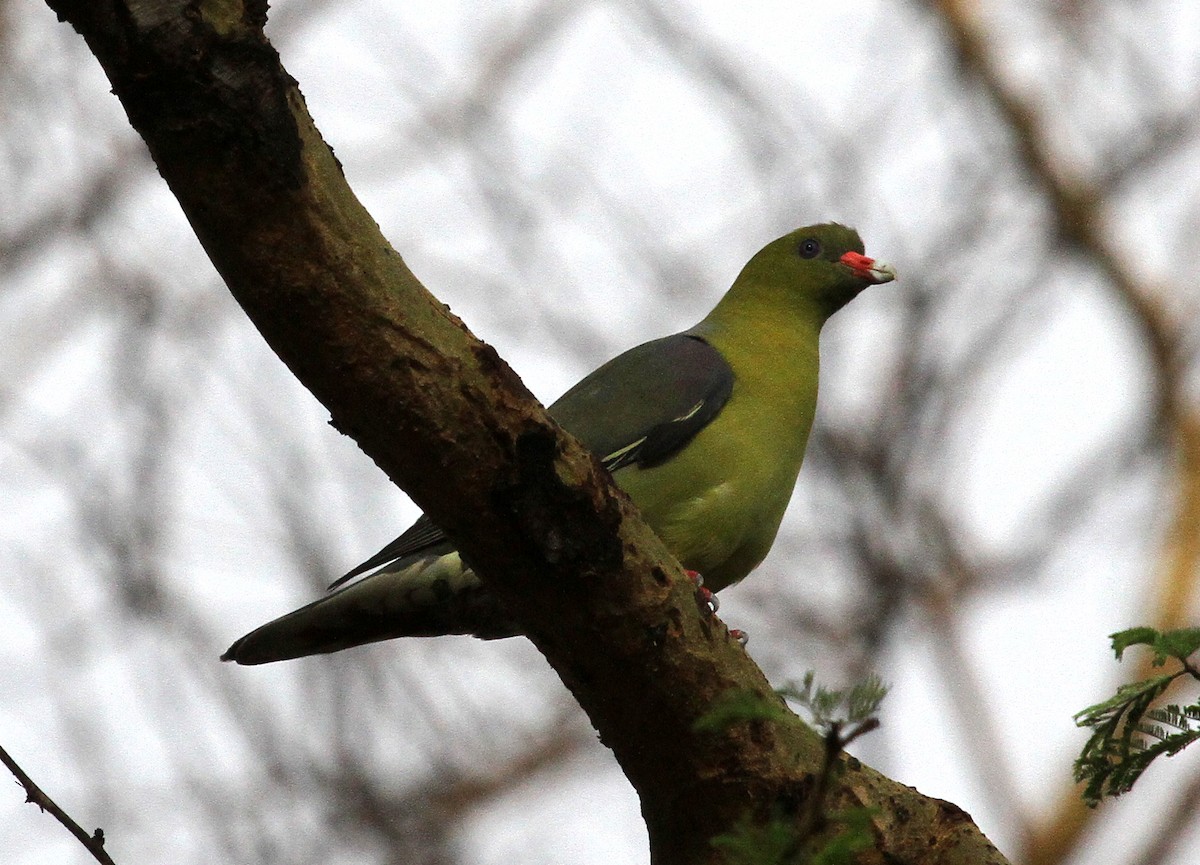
{"x": 449, "y": 422}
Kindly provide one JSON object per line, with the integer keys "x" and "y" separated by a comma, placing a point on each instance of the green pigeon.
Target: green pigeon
{"x": 705, "y": 430}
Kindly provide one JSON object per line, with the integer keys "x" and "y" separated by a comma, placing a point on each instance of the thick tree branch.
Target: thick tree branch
{"x": 450, "y": 423}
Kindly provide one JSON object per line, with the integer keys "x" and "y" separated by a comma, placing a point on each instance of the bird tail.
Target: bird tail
{"x": 422, "y": 596}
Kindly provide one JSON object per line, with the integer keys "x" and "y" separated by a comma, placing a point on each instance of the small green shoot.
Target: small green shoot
{"x": 854, "y": 709}
{"x": 841, "y": 716}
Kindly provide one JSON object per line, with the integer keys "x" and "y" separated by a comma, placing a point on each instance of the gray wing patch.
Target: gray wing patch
{"x": 665, "y": 440}
{"x": 643, "y": 406}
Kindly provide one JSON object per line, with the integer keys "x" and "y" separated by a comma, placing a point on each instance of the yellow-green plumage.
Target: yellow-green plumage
{"x": 705, "y": 430}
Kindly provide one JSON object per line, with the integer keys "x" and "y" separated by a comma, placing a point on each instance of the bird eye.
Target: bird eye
{"x": 809, "y": 248}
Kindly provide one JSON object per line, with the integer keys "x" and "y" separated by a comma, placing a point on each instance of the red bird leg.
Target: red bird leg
{"x": 709, "y": 601}
{"x": 703, "y": 595}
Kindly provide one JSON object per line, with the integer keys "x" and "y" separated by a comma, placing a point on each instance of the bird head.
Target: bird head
{"x": 818, "y": 267}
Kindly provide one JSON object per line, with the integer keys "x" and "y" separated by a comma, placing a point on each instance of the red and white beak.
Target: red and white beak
{"x": 868, "y": 269}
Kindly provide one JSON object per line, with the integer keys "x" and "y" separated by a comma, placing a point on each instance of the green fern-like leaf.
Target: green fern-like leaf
{"x": 1176, "y": 728}
{"x": 1122, "y": 640}
{"x": 1127, "y": 734}
{"x": 1127, "y": 696}
{"x": 1179, "y": 644}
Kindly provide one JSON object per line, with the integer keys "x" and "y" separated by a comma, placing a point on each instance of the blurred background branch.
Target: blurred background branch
{"x": 1006, "y": 466}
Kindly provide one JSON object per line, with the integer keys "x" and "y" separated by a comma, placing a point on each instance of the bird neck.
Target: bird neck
{"x": 762, "y": 320}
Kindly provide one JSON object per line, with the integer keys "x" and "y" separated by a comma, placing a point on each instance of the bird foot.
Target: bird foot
{"x": 709, "y": 602}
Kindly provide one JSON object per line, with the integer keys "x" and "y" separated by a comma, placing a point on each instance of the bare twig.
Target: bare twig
{"x": 33, "y": 793}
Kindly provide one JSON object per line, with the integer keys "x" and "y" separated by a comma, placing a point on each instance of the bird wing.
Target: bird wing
{"x": 420, "y": 537}
{"x": 638, "y": 409}
{"x": 646, "y": 404}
